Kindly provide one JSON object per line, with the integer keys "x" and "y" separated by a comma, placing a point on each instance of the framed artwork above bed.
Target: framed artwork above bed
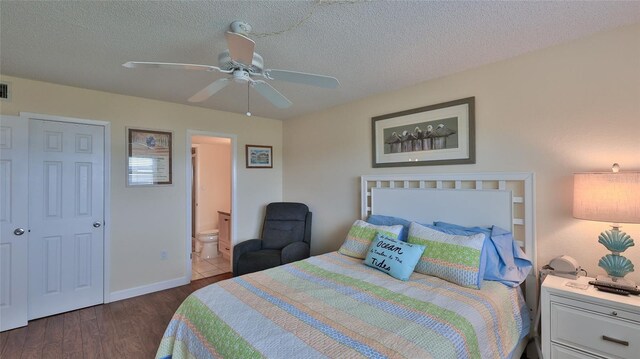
{"x": 441, "y": 134}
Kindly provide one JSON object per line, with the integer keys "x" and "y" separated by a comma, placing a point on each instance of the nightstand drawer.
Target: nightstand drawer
{"x": 560, "y": 352}
{"x": 598, "y": 308}
{"x": 593, "y": 331}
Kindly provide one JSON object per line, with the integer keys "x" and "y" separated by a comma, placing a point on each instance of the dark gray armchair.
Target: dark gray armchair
{"x": 286, "y": 233}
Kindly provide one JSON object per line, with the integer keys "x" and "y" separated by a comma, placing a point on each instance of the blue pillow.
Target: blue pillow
{"x": 396, "y": 258}
{"x": 381, "y": 220}
{"x": 505, "y": 261}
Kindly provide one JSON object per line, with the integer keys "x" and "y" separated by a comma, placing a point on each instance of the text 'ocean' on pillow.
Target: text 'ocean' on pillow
{"x": 394, "y": 257}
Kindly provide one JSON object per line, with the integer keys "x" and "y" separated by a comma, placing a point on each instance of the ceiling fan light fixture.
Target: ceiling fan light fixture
{"x": 240, "y": 27}
{"x": 241, "y": 76}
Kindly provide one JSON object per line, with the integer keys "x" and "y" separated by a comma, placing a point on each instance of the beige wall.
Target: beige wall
{"x": 570, "y": 108}
{"x": 148, "y": 220}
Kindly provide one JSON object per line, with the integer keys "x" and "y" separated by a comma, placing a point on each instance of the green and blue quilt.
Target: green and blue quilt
{"x": 334, "y": 306}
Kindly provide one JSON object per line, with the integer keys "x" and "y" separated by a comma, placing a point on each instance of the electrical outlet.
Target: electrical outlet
{"x": 163, "y": 255}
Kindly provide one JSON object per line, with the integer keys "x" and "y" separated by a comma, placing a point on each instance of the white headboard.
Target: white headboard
{"x": 471, "y": 199}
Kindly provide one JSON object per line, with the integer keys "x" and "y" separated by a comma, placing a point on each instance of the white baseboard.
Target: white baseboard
{"x": 146, "y": 289}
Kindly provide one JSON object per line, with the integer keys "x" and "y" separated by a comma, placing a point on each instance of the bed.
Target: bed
{"x": 332, "y": 305}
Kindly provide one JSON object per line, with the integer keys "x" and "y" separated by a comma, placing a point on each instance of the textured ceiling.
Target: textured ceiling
{"x": 370, "y": 46}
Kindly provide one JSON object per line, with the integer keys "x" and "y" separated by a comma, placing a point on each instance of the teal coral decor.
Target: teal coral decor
{"x": 615, "y": 240}
{"x": 616, "y": 265}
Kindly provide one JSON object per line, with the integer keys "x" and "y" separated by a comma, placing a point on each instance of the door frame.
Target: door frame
{"x": 234, "y": 207}
{"x": 106, "y": 249}
{"x": 194, "y": 183}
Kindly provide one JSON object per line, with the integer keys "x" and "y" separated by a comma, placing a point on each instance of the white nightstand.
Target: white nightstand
{"x": 588, "y": 323}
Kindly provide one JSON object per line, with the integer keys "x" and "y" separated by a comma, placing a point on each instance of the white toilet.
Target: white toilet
{"x": 207, "y": 243}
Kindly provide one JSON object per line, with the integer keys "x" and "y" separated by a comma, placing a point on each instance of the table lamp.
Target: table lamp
{"x": 610, "y": 197}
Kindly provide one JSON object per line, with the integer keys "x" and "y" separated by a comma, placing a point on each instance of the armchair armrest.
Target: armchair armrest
{"x": 241, "y": 248}
{"x": 294, "y": 252}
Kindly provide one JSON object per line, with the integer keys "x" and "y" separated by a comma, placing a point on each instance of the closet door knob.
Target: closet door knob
{"x": 18, "y": 231}
{"x": 97, "y": 224}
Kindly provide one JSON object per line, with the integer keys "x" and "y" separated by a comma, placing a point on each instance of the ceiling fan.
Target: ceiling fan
{"x": 243, "y": 65}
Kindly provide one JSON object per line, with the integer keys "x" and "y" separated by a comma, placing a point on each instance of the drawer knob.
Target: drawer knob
{"x": 614, "y": 340}
{"x": 614, "y": 313}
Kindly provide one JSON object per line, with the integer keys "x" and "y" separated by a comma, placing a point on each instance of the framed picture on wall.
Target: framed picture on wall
{"x": 259, "y": 156}
{"x": 441, "y": 134}
{"x": 149, "y": 157}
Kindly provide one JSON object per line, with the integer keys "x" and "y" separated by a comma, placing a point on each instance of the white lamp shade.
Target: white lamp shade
{"x": 607, "y": 197}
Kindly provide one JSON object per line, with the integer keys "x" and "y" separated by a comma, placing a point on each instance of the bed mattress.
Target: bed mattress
{"x": 334, "y": 306}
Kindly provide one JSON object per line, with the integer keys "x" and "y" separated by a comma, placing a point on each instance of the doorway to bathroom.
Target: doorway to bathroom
{"x": 211, "y": 205}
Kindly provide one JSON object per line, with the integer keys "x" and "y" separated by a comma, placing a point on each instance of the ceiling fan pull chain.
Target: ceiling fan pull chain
{"x": 248, "y": 90}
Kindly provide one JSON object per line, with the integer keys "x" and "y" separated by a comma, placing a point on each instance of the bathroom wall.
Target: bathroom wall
{"x": 214, "y": 180}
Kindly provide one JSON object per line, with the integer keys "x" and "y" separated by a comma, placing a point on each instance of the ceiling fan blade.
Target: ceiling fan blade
{"x": 171, "y": 65}
{"x": 208, "y": 91}
{"x": 271, "y": 94}
{"x": 302, "y": 78}
{"x": 240, "y": 48}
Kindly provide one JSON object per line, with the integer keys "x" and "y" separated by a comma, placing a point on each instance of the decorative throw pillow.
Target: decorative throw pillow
{"x": 393, "y": 257}
{"x": 453, "y": 258}
{"x": 360, "y": 236}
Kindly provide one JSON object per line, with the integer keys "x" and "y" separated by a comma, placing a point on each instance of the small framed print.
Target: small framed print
{"x": 259, "y": 156}
{"x": 149, "y": 157}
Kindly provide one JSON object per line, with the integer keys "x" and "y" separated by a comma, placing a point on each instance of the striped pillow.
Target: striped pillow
{"x": 361, "y": 235}
{"x": 450, "y": 257}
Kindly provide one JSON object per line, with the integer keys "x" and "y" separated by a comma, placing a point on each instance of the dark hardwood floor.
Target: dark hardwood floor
{"x": 130, "y": 328}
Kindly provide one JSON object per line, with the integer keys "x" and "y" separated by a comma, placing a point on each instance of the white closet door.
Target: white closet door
{"x": 14, "y": 147}
{"x": 66, "y": 214}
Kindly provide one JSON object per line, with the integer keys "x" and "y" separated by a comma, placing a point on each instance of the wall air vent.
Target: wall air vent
{"x": 4, "y": 91}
